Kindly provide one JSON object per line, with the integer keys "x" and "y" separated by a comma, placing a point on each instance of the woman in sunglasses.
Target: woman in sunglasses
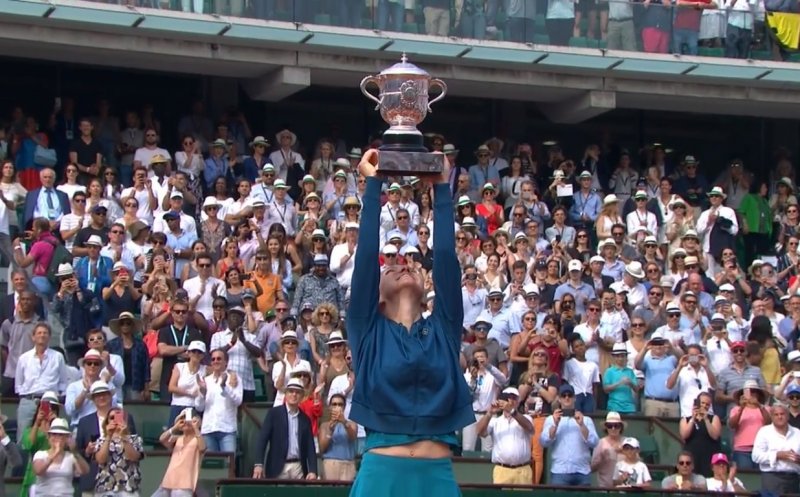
{"x": 337, "y": 442}
{"x": 608, "y": 450}
{"x": 404, "y": 363}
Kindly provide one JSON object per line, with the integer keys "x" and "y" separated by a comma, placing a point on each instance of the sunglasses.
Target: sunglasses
{"x": 217, "y": 359}
{"x": 684, "y": 463}
{"x": 482, "y": 329}
{"x": 656, "y": 294}
{"x": 324, "y": 313}
{"x": 337, "y": 346}
{"x": 593, "y": 309}
{"x": 529, "y": 319}
{"x": 614, "y": 426}
{"x": 179, "y": 311}
{"x": 129, "y": 204}
{"x": 80, "y": 200}
{"x": 540, "y": 354}
{"x": 495, "y": 299}
{"x": 91, "y": 363}
{"x": 737, "y": 350}
{"x": 337, "y": 404}
{"x": 401, "y": 218}
{"x": 290, "y": 342}
{"x": 117, "y": 232}
{"x": 638, "y": 325}
{"x": 690, "y": 302}
{"x": 582, "y": 236}
{"x": 793, "y": 397}
{"x": 126, "y": 322}
{"x": 566, "y": 395}
{"x": 281, "y": 309}
{"x": 674, "y": 314}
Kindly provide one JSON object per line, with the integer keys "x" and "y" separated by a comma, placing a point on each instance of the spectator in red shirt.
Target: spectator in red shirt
{"x": 686, "y": 27}
{"x": 311, "y": 405}
{"x": 40, "y": 255}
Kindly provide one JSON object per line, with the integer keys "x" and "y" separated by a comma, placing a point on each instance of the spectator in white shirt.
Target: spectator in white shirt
{"x": 583, "y": 375}
{"x": 692, "y": 377}
{"x": 472, "y": 296}
{"x": 510, "y": 432}
{"x": 203, "y": 288}
{"x": 289, "y": 363}
{"x": 485, "y": 382}
{"x": 220, "y": 397}
{"x": 630, "y": 284}
{"x": 630, "y": 470}
{"x": 672, "y": 332}
{"x": 241, "y": 347}
{"x": 78, "y": 402}
{"x": 343, "y": 256}
{"x": 776, "y": 450}
{"x": 717, "y": 344}
{"x": 724, "y": 477}
{"x": 39, "y": 370}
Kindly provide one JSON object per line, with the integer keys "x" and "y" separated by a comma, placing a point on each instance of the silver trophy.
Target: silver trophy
{"x": 403, "y": 103}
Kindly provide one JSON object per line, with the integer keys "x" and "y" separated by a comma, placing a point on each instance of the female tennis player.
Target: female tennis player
{"x": 410, "y": 392}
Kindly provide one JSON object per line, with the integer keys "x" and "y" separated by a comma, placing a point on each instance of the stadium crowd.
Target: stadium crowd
{"x": 609, "y": 281}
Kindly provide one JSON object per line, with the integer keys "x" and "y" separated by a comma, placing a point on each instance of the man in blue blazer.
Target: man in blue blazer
{"x": 46, "y": 201}
{"x": 287, "y": 430}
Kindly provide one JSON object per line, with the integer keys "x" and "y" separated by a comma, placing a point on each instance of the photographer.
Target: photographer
{"x": 692, "y": 377}
{"x": 701, "y": 433}
{"x": 484, "y": 381}
{"x": 572, "y": 438}
{"x": 510, "y": 433}
{"x": 74, "y": 307}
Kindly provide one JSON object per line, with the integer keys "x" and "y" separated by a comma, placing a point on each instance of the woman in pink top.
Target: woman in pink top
{"x": 187, "y": 446}
{"x": 604, "y": 456}
{"x": 745, "y": 419}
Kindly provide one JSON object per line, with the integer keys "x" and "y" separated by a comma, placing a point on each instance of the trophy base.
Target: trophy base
{"x": 403, "y": 154}
{"x": 410, "y": 163}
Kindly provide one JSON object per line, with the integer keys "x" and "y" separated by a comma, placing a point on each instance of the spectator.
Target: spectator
{"x": 657, "y": 361}
{"x": 287, "y": 432}
{"x": 242, "y": 347}
{"x": 39, "y": 371}
{"x": 701, "y": 433}
{"x": 183, "y": 440}
{"x": 79, "y": 399}
{"x": 172, "y": 349}
{"x": 40, "y": 255}
{"x": 630, "y": 470}
{"x": 185, "y": 381}
{"x": 745, "y": 420}
{"x": 583, "y": 375}
{"x": 685, "y": 478}
{"x": 776, "y": 451}
{"x": 219, "y": 399}
{"x": 733, "y": 378}
{"x": 33, "y": 438}
{"x": 572, "y": 437}
{"x": 485, "y": 382}
{"x": 46, "y": 202}
{"x": 724, "y": 477}
{"x": 10, "y": 456}
{"x": 510, "y": 431}
{"x": 76, "y": 309}
{"x": 289, "y": 361}
{"x": 16, "y": 336}
{"x": 128, "y": 345}
{"x": 318, "y": 287}
{"x": 620, "y": 383}
{"x": 692, "y": 377}
{"x": 118, "y": 454}
{"x": 55, "y": 468}
{"x": 337, "y": 442}
{"x": 606, "y": 454}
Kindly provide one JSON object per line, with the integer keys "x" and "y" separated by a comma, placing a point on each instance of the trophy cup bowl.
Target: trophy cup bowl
{"x": 403, "y": 103}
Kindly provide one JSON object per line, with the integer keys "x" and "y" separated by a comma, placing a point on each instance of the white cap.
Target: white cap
{"x": 389, "y": 249}
{"x": 211, "y": 201}
{"x": 531, "y": 288}
{"x": 672, "y": 306}
{"x": 65, "y": 269}
{"x": 117, "y": 266}
{"x": 727, "y": 287}
{"x": 289, "y": 335}
{"x": 197, "y": 345}
{"x": 98, "y": 387}
{"x": 295, "y": 384}
{"x": 318, "y": 233}
{"x": 793, "y": 356}
{"x": 717, "y": 317}
{"x": 575, "y": 265}
{"x": 667, "y": 281}
{"x": 597, "y": 258}
{"x": 468, "y": 221}
{"x": 619, "y": 349}
{"x": 650, "y": 239}
{"x": 691, "y": 261}
{"x": 94, "y": 240}
{"x": 511, "y": 391}
{"x": 59, "y": 426}
{"x": 176, "y": 194}
{"x": 495, "y": 291}
{"x": 630, "y": 442}
{"x": 351, "y": 225}
{"x": 610, "y": 199}
{"x": 409, "y": 250}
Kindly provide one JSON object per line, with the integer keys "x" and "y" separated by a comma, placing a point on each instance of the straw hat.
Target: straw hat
{"x": 115, "y": 324}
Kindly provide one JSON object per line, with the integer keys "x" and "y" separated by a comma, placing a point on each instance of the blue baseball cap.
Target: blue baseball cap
{"x": 793, "y": 388}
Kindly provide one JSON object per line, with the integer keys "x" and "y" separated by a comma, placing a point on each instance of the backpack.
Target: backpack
{"x": 60, "y": 256}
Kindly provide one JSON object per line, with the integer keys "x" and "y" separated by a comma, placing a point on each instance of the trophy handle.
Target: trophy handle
{"x": 437, "y": 82}
{"x": 363, "y": 86}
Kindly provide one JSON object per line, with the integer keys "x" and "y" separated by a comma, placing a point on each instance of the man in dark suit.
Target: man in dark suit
{"x": 287, "y": 430}
{"x": 89, "y": 431}
{"x": 46, "y": 202}
{"x": 9, "y": 303}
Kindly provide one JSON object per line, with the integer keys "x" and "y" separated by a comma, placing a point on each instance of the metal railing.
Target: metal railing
{"x": 702, "y": 27}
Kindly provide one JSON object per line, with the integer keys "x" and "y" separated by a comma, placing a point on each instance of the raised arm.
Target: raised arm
{"x": 447, "y": 304}
{"x": 365, "y": 286}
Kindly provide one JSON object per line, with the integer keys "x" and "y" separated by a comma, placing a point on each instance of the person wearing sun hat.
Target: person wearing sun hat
{"x": 631, "y": 284}
{"x": 750, "y": 413}
{"x": 127, "y": 329}
{"x": 68, "y": 462}
{"x": 484, "y": 171}
{"x": 252, "y": 164}
{"x": 389, "y": 210}
{"x": 586, "y": 203}
{"x": 620, "y": 382}
{"x": 285, "y": 157}
{"x": 243, "y": 346}
{"x": 717, "y": 225}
